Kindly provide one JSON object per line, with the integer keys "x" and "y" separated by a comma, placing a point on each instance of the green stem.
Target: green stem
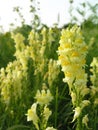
{"x": 56, "y": 107}
{"x": 79, "y": 126}
{"x": 95, "y": 119}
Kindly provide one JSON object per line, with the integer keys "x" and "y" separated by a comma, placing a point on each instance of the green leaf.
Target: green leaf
{"x": 18, "y": 126}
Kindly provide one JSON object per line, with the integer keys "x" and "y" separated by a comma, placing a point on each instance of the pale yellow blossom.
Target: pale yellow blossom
{"x": 84, "y": 91}
{"x": 46, "y": 113}
{"x": 85, "y": 103}
{"x": 73, "y": 96}
{"x": 77, "y": 113}
{"x": 85, "y": 120}
{"x": 19, "y": 38}
{"x": 32, "y": 115}
{"x": 44, "y": 97}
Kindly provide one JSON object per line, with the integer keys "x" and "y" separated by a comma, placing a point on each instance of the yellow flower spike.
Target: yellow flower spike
{"x": 71, "y": 52}
{"x": 73, "y": 48}
{"x": 53, "y": 71}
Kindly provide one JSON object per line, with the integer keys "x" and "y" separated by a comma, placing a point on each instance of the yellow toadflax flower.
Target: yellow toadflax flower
{"x": 71, "y": 54}
{"x": 46, "y": 113}
{"x": 43, "y": 97}
{"x": 32, "y": 115}
{"x": 85, "y": 120}
{"x": 77, "y": 113}
{"x": 73, "y": 96}
{"x": 85, "y": 103}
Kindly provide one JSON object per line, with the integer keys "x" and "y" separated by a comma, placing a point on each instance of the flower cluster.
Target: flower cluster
{"x": 11, "y": 80}
{"x": 43, "y": 97}
{"x": 39, "y": 112}
{"x": 72, "y": 53}
{"x": 14, "y": 77}
{"x": 53, "y": 71}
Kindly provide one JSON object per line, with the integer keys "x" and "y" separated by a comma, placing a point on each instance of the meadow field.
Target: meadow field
{"x": 49, "y": 76}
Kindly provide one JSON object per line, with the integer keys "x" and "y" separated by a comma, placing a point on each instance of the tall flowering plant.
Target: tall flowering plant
{"x": 39, "y": 112}
{"x": 71, "y": 56}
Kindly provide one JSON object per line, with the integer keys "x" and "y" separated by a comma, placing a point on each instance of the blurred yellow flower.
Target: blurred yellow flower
{"x": 43, "y": 97}
{"x": 32, "y": 115}
{"x": 77, "y": 113}
{"x": 85, "y": 103}
{"x": 73, "y": 96}
{"x": 19, "y": 38}
{"x": 85, "y": 120}
{"x": 46, "y": 113}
